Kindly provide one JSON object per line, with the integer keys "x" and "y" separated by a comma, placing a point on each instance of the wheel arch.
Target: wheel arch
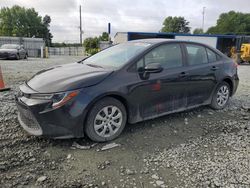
{"x": 116, "y": 96}
{"x": 230, "y": 83}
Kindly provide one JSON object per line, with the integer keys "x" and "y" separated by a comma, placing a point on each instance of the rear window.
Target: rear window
{"x": 212, "y": 56}
{"x": 196, "y": 54}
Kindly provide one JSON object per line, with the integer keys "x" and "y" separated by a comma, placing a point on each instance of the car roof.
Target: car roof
{"x": 10, "y": 45}
{"x": 155, "y": 41}
{"x": 161, "y": 40}
{"x": 151, "y": 40}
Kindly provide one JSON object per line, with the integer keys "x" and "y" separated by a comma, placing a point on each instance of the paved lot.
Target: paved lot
{"x": 197, "y": 148}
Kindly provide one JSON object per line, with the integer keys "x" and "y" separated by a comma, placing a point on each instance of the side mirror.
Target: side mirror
{"x": 153, "y": 68}
{"x": 150, "y": 68}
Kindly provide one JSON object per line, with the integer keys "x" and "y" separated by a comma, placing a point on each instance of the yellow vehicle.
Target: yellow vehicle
{"x": 242, "y": 55}
{"x": 245, "y": 52}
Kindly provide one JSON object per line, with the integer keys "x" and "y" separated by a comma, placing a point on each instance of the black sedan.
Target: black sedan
{"x": 126, "y": 83}
{"x": 13, "y": 51}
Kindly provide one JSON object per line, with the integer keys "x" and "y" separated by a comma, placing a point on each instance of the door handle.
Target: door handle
{"x": 183, "y": 74}
{"x": 214, "y": 68}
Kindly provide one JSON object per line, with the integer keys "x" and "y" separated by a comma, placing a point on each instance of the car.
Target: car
{"x": 126, "y": 83}
{"x": 13, "y": 51}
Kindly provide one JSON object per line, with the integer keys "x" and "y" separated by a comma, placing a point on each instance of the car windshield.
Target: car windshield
{"x": 9, "y": 46}
{"x": 117, "y": 55}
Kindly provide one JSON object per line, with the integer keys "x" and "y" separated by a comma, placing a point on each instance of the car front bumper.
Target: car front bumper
{"x": 6, "y": 55}
{"x": 29, "y": 122}
{"x": 64, "y": 122}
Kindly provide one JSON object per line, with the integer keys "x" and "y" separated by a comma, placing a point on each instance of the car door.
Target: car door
{"x": 203, "y": 68}
{"x": 163, "y": 92}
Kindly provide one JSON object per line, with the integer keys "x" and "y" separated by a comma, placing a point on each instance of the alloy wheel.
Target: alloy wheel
{"x": 222, "y": 95}
{"x": 108, "y": 121}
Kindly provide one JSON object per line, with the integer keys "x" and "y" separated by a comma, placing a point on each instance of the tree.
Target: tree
{"x": 231, "y": 23}
{"x": 47, "y": 35}
{"x": 104, "y": 37}
{"x": 175, "y": 25}
{"x": 198, "y": 31}
{"x": 91, "y": 45}
{"x": 21, "y": 22}
{"x": 212, "y": 30}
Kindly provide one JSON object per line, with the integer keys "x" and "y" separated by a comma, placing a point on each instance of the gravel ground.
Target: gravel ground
{"x": 196, "y": 148}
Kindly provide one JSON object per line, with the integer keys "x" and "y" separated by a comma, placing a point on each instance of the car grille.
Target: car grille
{"x": 28, "y": 118}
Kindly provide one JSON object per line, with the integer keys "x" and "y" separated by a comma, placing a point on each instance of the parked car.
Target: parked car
{"x": 126, "y": 83}
{"x": 13, "y": 51}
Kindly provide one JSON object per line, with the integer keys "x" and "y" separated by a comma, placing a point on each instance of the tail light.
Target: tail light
{"x": 235, "y": 65}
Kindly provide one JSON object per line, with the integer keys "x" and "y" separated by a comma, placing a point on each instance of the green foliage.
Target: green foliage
{"x": 232, "y": 23}
{"x": 198, "y": 31}
{"x": 93, "y": 51}
{"x": 212, "y": 30}
{"x": 104, "y": 37}
{"x": 175, "y": 25}
{"x": 21, "y": 22}
{"x": 92, "y": 44}
{"x": 46, "y": 32}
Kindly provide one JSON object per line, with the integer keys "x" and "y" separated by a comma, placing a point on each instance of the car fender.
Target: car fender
{"x": 117, "y": 95}
{"x": 216, "y": 85}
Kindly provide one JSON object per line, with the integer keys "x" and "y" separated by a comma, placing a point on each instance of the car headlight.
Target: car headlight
{"x": 58, "y": 99}
{"x": 40, "y": 96}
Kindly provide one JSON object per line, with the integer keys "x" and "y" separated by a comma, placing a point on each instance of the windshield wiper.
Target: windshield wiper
{"x": 81, "y": 61}
{"x": 93, "y": 65}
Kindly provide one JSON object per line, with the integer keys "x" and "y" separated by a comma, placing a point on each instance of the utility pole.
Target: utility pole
{"x": 109, "y": 31}
{"x": 203, "y": 18}
{"x": 80, "y": 25}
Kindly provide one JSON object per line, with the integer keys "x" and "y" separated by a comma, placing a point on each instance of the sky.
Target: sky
{"x": 124, "y": 15}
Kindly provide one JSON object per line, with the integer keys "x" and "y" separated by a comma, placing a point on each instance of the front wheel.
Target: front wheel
{"x": 106, "y": 120}
{"x": 221, "y": 96}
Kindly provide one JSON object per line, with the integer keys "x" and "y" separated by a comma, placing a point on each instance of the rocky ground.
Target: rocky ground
{"x": 197, "y": 148}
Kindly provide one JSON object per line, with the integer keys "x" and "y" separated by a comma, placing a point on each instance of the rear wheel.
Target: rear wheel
{"x": 106, "y": 120}
{"x": 221, "y": 96}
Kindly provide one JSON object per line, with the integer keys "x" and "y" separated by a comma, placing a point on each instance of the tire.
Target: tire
{"x": 106, "y": 115}
{"x": 221, "y": 96}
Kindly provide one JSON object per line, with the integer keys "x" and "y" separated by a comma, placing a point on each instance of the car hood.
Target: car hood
{"x": 8, "y": 50}
{"x": 67, "y": 77}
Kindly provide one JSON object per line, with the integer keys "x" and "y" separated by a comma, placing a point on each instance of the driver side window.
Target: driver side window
{"x": 168, "y": 55}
